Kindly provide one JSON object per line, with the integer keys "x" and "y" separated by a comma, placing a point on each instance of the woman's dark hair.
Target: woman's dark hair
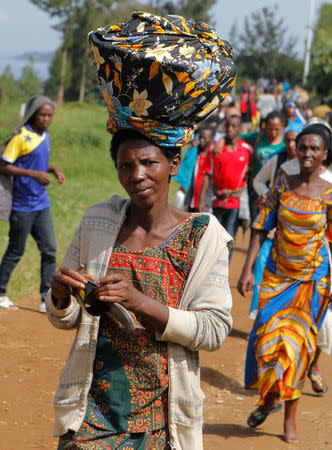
{"x": 275, "y": 115}
{"x": 124, "y": 135}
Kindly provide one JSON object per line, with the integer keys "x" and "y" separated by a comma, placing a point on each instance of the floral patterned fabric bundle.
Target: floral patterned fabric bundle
{"x": 161, "y": 75}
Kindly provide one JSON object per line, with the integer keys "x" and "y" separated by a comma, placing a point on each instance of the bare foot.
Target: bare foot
{"x": 290, "y": 435}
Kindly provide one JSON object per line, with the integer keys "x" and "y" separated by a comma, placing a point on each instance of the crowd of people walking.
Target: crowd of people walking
{"x": 273, "y": 171}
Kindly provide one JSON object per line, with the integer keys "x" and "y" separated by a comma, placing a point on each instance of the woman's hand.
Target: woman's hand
{"x": 65, "y": 283}
{"x": 60, "y": 178}
{"x": 261, "y": 200}
{"x": 245, "y": 283}
{"x": 41, "y": 177}
{"x": 115, "y": 288}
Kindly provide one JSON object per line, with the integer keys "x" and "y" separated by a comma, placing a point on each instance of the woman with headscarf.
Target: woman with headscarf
{"x": 295, "y": 290}
{"x": 25, "y": 157}
{"x": 132, "y": 376}
{"x": 324, "y": 339}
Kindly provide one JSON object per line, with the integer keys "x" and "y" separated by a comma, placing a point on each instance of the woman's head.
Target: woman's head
{"x": 290, "y": 143}
{"x": 42, "y": 118}
{"x": 312, "y": 146}
{"x": 325, "y": 127}
{"x": 290, "y": 111}
{"x": 274, "y": 123}
{"x": 144, "y": 169}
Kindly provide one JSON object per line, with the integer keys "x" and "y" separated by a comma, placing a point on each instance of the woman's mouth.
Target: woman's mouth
{"x": 142, "y": 191}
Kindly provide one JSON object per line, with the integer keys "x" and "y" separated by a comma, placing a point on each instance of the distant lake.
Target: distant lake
{"x": 17, "y": 65}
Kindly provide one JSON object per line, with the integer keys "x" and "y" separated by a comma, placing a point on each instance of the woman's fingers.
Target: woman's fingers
{"x": 110, "y": 289}
{"x": 70, "y": 277}
{"x": 110, "y": 298}
{"x": 244, "y": 286}
{"x": 114, "y": 277}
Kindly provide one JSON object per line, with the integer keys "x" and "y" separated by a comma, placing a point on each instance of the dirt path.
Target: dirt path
{"x": 32, "y": 354}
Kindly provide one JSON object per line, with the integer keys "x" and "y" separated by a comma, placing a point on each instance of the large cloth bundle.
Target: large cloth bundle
{"x": 161, "y": 75}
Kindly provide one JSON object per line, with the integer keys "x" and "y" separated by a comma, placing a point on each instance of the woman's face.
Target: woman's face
{"x": 273, "y": 129}
{"x": 43, "y": 117}
{"x": 310, "y": 152}
{"x": 144, "y": 172}
{"x": 290, "y": 144}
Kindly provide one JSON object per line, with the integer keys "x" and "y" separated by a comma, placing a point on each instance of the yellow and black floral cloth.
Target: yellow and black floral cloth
{"x": 161, "y": 75}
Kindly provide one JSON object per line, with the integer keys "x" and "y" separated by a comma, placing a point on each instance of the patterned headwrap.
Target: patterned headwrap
{"x": 161, "y": 75}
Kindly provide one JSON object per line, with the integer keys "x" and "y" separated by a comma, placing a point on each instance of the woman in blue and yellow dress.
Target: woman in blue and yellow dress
{"x": 295, "y": 289}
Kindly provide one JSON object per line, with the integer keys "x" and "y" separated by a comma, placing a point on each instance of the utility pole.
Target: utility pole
{"x": 309, "y": 42}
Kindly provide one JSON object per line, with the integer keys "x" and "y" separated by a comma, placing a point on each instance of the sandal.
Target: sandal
{"x": 257, "y": 417}
{"x": 317, "y": 382}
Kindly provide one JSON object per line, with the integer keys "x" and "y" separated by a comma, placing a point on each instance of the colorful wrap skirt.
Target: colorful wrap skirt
{"x": 282, "y": 343}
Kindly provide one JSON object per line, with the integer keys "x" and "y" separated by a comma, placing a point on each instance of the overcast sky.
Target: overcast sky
{"x": 24, "y": 28}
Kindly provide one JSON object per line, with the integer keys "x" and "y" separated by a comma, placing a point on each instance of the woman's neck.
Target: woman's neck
{"x": 310, "y": 177}
{"x": 153, "y": 218}
{"x": 274, "y": 141}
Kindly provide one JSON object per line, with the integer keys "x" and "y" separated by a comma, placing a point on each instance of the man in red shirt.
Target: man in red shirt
{"x": 230, "y": 165}
{"x": 203, "y": 165}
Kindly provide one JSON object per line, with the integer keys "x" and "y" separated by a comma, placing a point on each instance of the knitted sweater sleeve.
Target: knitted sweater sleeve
{"x": 208, "y": 320}
{"x": 69, "y": 317}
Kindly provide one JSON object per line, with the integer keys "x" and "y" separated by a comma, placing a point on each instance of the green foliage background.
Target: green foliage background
{"x": 320, "y": 76}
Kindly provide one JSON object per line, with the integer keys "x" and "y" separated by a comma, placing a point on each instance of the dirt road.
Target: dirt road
{"x": 32, "y": 354}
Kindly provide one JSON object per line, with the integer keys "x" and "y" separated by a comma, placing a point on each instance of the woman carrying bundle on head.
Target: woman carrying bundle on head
{"x": 132, "y": 377}
{"x": 295, "y": 289}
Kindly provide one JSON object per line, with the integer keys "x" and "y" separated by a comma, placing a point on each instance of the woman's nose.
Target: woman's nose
{"x": 138, "y": 172}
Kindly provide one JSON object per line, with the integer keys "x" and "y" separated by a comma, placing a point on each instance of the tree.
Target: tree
{"x": 85, "y": 16}
{"x": 320, "y": 75}
{"x": 195, "y": 9}
{"x": 7, "y": 83}
{"x": 53, "y": 82}
{"x": 264, "y": 47}
{"x": 29, "y": 84}
{"x": 80, "y": 80}
{"x": 64, "y": 10}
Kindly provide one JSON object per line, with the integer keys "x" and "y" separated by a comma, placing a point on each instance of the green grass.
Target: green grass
{"x": 80, "y": 148}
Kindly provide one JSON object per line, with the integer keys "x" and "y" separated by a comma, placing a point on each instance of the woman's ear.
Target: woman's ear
{"x": 175, "y": 165}
{"x": 325, "y": 155}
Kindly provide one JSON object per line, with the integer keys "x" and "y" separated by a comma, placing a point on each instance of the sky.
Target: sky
{"x": 25, "y": 28}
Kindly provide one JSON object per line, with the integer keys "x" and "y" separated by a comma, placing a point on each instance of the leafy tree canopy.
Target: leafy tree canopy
{"x": 264, "y": 48}
{"x": 195, "y": 9}
{"x": 7, "y": 83}
{"x": 29, "y": 84}
{"x": 320, "y": 76}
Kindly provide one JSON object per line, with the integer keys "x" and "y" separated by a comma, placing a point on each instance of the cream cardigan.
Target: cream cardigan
{"x": 202, "y": 322}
